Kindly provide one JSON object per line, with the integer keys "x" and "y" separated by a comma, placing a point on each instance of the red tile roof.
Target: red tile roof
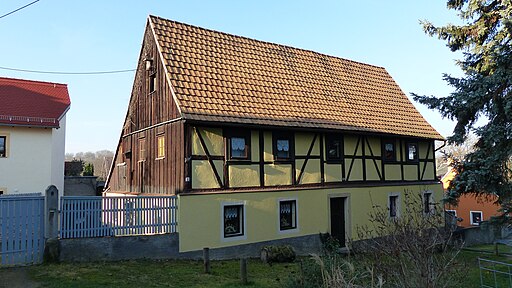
{"x": 227, "y": 78}
{"x": 32, "y": 103}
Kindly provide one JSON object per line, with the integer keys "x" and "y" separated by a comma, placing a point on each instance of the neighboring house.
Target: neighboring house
{"x": 263, "y": 142}
{"x": 32, "y": 135}
{"x": 471, "y": 210}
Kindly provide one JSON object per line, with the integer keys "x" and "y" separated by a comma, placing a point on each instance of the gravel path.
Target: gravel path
{"x": 16, "y": 278}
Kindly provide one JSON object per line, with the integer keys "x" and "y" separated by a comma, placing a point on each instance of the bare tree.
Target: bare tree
{"x": 100, "y": 160}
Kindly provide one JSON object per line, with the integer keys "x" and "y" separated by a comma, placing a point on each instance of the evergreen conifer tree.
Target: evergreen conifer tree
{"x": 485, "y": 91}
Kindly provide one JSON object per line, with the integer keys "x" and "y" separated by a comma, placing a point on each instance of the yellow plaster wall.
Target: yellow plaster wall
{"x": 429, "y": 171}
{"x": 311, "y": 171}
{"x": 200, "y": 223}
{"x": 278, "y": 174}
{"x": 410, "y": 172}
{"x": 392, "y": 172}
{"x": 357, "y": 169}
{"x": 303, "y": 142}
{"x": 244, "y": 175}
{"x": 267, "y": 147}
{"x": 423, "y": 150}
{"x": 203, "y": 176}
{"x": 350, "y": 145}
{"x": 332, "y": 172}
{"x": 374, "y": 145}
{"x": 371, "y": 170}
{"x": 255, "y": 145}
{"x": 213, "y": 140}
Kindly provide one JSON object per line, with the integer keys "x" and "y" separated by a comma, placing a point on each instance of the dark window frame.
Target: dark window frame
{"x": 293, "y": 215}
{"x": 281, "y": 135}
{"x": 384, "y": 151}
{"x": 407, "y": 147}
{"x": 3, "y": 153}
{"x": 152, "y": 82}
{"x": 239, "y": 133}
{"x": 393, "y": 206}
{"x": 427, "y": 203}
{"x": 329, "y": 139}
{"x": 240, "y": 216}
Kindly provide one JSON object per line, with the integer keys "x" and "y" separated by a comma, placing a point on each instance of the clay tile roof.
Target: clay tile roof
{"x": 222, "y": 77}
{"x": 32, "y": 103}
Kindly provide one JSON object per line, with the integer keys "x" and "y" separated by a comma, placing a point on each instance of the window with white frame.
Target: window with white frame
{"x": 475, "y": 217}
{"x": 287, "y": 214}
{"x": 3, "y": 146}
{"x": 393, "y": 205}
{"x": 233, "y": 220}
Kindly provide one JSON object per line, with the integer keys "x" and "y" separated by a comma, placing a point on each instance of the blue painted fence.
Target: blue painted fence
{"x": 85, "y": 217}
{"x": 21, "y": 229}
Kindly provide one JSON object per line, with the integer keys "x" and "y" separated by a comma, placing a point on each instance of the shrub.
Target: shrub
{"x": 277, "y": 254}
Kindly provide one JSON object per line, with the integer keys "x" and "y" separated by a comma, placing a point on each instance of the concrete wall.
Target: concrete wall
{"x": 58, "y": 156}
{"x": 80, "y": 185}
{"x": 166, "y": 247}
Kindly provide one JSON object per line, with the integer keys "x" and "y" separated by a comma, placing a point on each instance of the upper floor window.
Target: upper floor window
{"x": 412, "y": 152}
{"x": 476, "y": 217}
{"x": 152, "y": 82}
{"x": 142, "y": 149}
{"x": 334, "y": 147}
{"x": 161, "y": 146}
{"x": 3, "y": 146}
{"x": 282, "y": 144}
{"x": 238, "y": 143}
{"x": 389, "y": 150}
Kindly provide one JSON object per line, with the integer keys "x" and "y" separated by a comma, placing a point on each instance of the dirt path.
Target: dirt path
{"x": 16, "y": 278}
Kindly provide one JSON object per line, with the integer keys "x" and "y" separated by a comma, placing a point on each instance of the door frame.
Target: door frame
{"x": 347, "y": 211}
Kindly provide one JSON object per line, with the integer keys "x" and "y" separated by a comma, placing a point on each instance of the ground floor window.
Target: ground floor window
{"x": 393, "y": 206}
{"x": 287, "y": 214}
{"x": 233, "y": 220}
{"x": 428, "y": 203}
{"x": 476, "y": 217}
{"x": 3, "y": 146}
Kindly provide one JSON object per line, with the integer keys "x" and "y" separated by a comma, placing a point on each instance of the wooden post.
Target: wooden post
{"x": 243, "y": 270}
{"x": 206, "y": 260}
{"x": 496, "y": 251}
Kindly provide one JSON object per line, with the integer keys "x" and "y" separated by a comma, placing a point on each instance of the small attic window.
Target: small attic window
{"x": 152, "y": 82}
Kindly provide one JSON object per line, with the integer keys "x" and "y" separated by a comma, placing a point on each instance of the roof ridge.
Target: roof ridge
{"x": 263, "y": 41}
{"x": 33, "y": 81}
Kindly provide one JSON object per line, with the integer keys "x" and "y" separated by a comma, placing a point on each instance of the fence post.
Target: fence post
{"x": 243, "y": 270}
{"x": 51, "y": 222}
{"x": 206, "y": 260}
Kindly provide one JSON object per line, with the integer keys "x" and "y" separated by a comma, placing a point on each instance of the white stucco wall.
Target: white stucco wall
{"x": 33, "y": 159}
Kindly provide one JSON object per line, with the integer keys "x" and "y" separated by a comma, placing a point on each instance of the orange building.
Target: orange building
{"x": 471, "y": 209}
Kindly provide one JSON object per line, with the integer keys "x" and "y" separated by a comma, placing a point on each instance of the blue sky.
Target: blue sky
{"x": 84, "y": 36}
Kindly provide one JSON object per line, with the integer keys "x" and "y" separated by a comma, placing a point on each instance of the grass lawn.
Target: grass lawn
{"x": 148, "y": 273}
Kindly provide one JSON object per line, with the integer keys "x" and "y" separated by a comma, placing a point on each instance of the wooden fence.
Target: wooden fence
{"x": 85, "y": 217}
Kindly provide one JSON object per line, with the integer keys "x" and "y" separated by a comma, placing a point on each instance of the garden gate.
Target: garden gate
{"x": 21, "y": 229}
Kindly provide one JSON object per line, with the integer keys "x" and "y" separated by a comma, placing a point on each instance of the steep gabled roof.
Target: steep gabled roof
{"x": 226, "y": 78}
{"x": 32, "y": 103}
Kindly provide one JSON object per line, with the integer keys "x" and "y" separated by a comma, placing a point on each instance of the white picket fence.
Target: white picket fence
{"x": 85, "y": 217}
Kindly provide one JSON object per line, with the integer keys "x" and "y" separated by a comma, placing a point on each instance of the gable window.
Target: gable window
{"x": 412, "y": 152}
{"x": 393, "y": 206}
{"x": 334, "y": 147}
{"x": 161, "y": 146}
{"x": 475, "y": 217}
{"x": 287, "y": 214}
{"x": 233, "y": 220}
{"x": 389, "y": 153}
{"x": 3, "y": 146}
{"x": 142, "y": 149}
{"x": 152, "y": 82}
{"x": 282, "y": 144}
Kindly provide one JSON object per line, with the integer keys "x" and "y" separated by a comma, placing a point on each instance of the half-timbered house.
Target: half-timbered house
{"x": 264, "y": 142}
